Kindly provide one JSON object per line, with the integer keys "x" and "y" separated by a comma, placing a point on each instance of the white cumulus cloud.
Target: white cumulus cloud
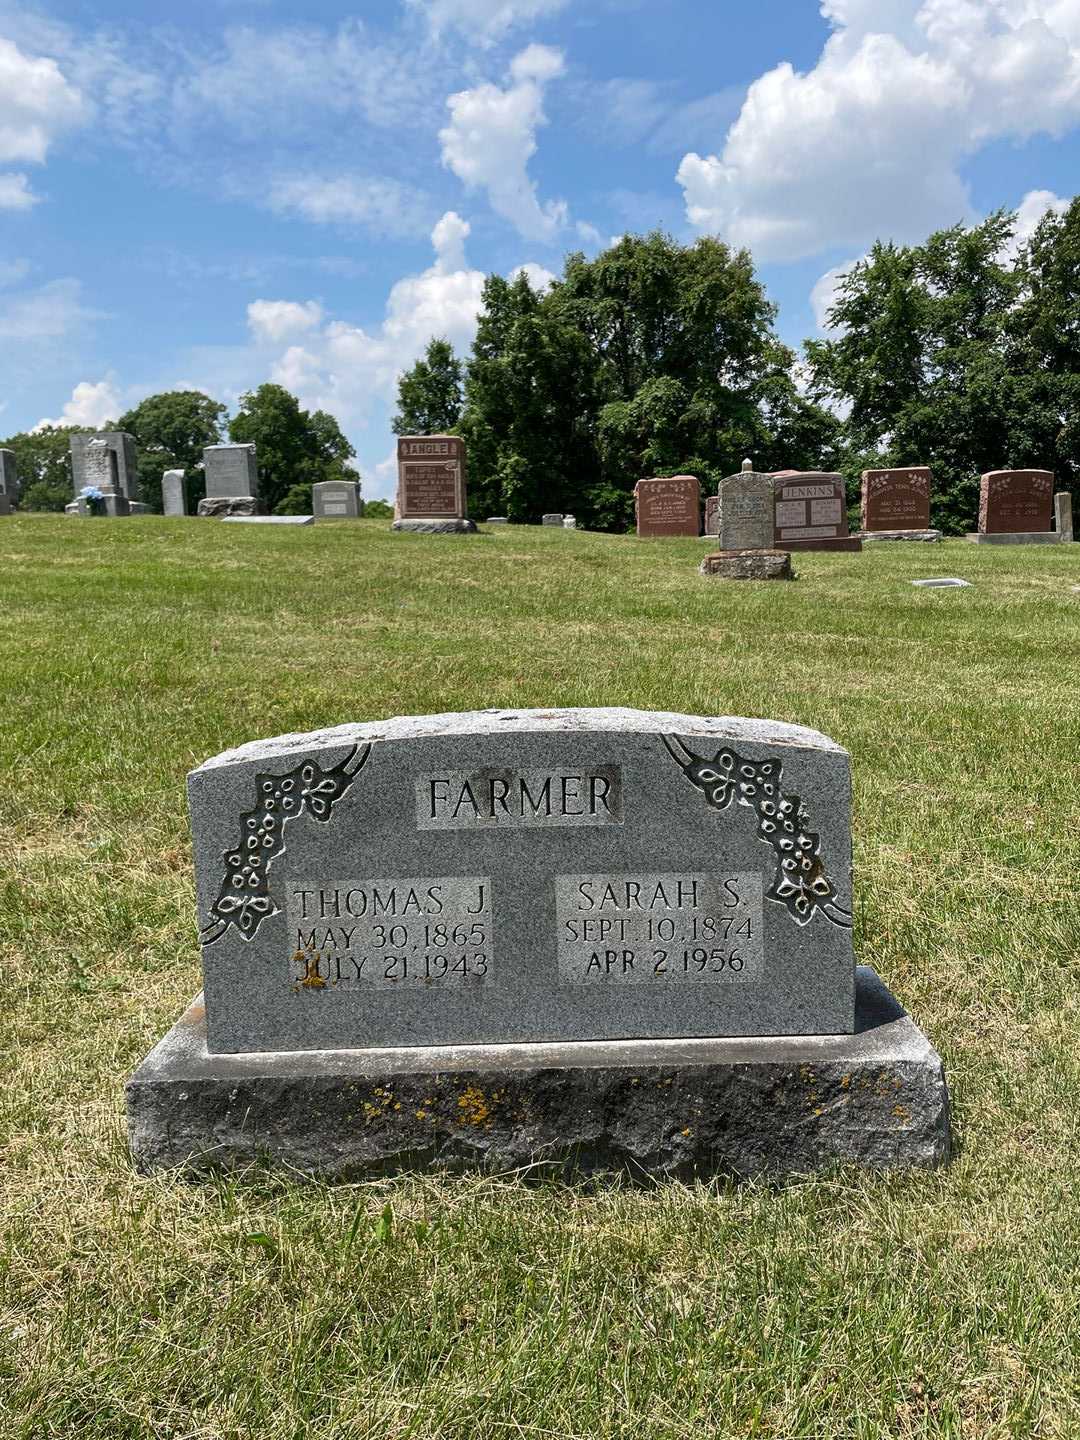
{"x": 869, "y": 142}
{"x": 492, "y": 136}
{"x": 382, "y": 205}
{"x": 92, "y": 403}
{"x": 15, "y": 192}
{"x": 38, "y": 103}
{"x": 272, "y": 321}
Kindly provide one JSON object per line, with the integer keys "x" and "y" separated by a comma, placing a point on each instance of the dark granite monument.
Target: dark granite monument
{"x": 668, "y": 506}
{"x": 121, "y": 474}
{"x": 604, "y": 938}
{"x": 811, "y": 512}
{"x": 9, "y": 482}
{"x": 1015, "y": 508}
{"x": 431, "y": 496}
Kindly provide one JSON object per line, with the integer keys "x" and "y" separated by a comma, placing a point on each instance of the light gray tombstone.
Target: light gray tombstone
{"x": 516, "y": 934}
{"x": 1063, "y": 515}
{"x": 101, "y": 493}
{"x": 268, "y": 519}
{"x": 497, "y": 520}
{"x": 9, "y": 482}
{"x": 231, "y": 471}
{"x": 746, "y": 511}
{"x": 336, "y": 500}
{"x": 174, "y": 493}
{"x": 569, "y": 523}
{"x": 123, "y": 447}
{"x": 553, "y": 519}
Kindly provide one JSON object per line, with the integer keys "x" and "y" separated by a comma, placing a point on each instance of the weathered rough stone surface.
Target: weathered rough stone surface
{"x": 663, "y": 1108}
{"x": 431, "y": 478}
{"x": 218, "y": 507}
{"x": 926, "y": 537}
{"x": 336, "y": 500}
{"x": 437, "y": 527}
{"x": 174, "y": 493}
{"x": 896, "y": 500}
{"x": 231, "y": 470}
{"x": 748, "y": 565}
{"x": 746, "y": 511}
{"x": 268, "y": 519}
{"x": 1015, "y": 501}
{"x": 1063, "y": 515}
{"x": 525, "y": 876}
{"x": 712, "y": 515}
{"x": 668, "y": 506}
{"x": 1020, "y": 537}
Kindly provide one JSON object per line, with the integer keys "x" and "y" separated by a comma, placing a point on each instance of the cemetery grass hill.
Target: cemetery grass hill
{"x": 853, "y": 1304}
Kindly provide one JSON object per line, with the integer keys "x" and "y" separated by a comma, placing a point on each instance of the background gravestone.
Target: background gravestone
{"x": 174, "y": 493}
{"x": 527, "y": 917}
{"x": 231, "y": 470}
{"x": 122, "y": 445}
{"x": 668, "y": 506}
{"x": 101, "y": 471}
{"x": 1063, "y": 515}
{"x": 553, "y": 518}
{"x": 9, "y": 482}
{"x": 1015, "y": 508}
{"x": 712, "y": 515}
{"x": 811, "y": 512}
{"x": 431, "y": 493}
{"x": 746, "y": 511}
{"x": 336, "y": 500}
{"x": 896, "y": 504}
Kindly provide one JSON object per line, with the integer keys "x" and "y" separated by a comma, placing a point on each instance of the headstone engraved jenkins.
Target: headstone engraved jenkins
{"x": 540, "y": 910}
{"x": 1015, "y": 508}
{"x": 431, "y": 485}
{"x": 668, "y": 506}
{"x": 811, "y": 512}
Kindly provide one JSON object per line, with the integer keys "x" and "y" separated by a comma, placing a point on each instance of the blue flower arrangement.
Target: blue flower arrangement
{"x": 95, "y": 499}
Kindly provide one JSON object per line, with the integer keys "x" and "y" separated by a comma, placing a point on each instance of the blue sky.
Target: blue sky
{"x": 222, "y": 192}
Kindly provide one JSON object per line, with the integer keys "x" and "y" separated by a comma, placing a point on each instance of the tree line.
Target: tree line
{"x": 656, "y": 358}
{"x": 296, "y": 448}
{"x": 660, "y": 359}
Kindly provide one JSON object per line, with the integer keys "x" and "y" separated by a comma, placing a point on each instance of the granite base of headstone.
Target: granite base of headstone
{"x": 1015, "y": 508}
{"x": 1063, "y": 515}
{"x": 748, "y": 565}
{"x": 221, "y": 507}
{"x": 598, "y": 940}
{"x": 928, "y": 537}
{"x": 174, "y": 494}
{"x": 111, "y": 506}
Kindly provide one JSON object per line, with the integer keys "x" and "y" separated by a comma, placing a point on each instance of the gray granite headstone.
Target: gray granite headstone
{"x": 746, "y": 511}
{"x": 9, "y": 481}
{"x": 515, "y": 876}
{"x": 127, "y": 460}
{"x": 553, "y": 518}
{"x": 1063, "y": 515}
{"x": 174, "y": 493}
{"x": 497, "y": 520}
{"x": 231, "y": 470}
{"x": 336, "y": 500}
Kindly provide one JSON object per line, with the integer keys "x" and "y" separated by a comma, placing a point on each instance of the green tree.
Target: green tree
{"x": 960, "y": 355}
{"x": 430, "y": 394}
{"x": 43, "y": 458}
{"x": 378, "y": 510}
{"x": 172, "y": 430}
{"x": 294, "y": 448}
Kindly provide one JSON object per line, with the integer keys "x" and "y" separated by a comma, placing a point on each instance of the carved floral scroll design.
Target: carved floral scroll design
{"x": 801, "y": 882}
{"x": 244, "y": 899}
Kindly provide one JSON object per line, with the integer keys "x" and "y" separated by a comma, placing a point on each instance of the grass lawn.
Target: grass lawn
{"x": 936, "y": 1304}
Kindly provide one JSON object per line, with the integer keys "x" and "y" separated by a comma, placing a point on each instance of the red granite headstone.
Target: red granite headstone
{"x": 431, "y": 478}
{"x": 1016, "y": 502}
{"x": 811, "y": 512}
{"x": 668, "y": 507}
{"x": 896, "y": 499}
